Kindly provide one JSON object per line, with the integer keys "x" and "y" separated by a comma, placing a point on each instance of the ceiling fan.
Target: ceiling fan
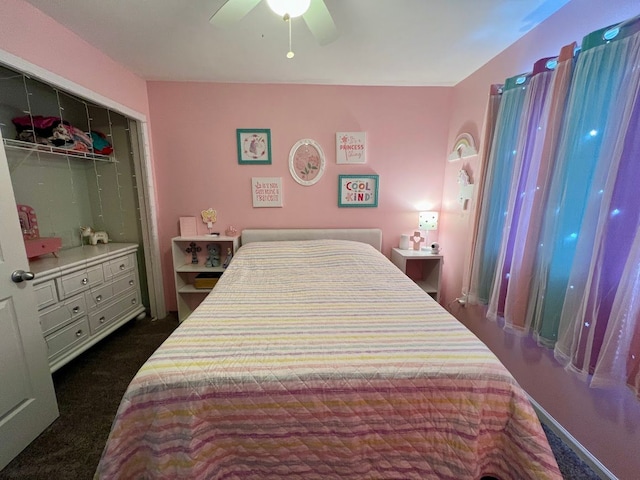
{"x": 314, "y": 12}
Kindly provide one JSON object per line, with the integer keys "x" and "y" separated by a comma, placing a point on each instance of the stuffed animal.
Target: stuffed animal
{"x": 94, "y": 237}
{"x": 214, "y": 255}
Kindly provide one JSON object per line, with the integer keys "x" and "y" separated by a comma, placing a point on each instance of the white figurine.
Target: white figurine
{"x": 94, "y": 237}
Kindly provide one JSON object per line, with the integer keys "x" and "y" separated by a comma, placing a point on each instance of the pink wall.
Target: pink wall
{"x": 194, "y": 130}
{"x": 606, "y": 423}
{"x": 28, "y": 33}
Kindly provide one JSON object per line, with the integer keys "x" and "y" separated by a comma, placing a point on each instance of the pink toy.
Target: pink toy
{"x": 33, "y": 243}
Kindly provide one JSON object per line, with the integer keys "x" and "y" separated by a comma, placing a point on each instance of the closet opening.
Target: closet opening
{"x": 75, "y": 162}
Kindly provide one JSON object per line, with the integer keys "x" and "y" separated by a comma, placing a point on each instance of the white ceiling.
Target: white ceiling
{"x": 381, "y": 42}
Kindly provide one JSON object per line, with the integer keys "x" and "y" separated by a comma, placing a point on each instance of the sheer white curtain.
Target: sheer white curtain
{"x": 605, "y": 256}
{"x": 557, "y": 251}
{"x": 619, "y": 361}
{"x": 538, "y": 137}
{"x": 496, "y": 188}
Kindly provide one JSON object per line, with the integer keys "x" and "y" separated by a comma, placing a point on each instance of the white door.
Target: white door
{"x": 27, "y": 399}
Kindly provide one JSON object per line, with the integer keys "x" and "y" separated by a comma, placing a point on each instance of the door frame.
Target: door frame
{"x": 143, "y": 166}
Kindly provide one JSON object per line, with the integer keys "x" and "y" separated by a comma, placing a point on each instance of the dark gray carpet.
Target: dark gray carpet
{"x": 89, "y": 390}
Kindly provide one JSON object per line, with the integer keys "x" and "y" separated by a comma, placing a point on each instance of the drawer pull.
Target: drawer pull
{"x": 79, "y": 333}
{"x": 122, "y": 267}
{"x": 75, "y": 309}
{"x": 85, "y": 281}
{"x": 131, "y": 282}
{"x": 99, "y": 298}
{"x": 102, "y": 319}
{"x": 134, "y": 301}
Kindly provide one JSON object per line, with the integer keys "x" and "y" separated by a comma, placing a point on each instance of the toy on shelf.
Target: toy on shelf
{"x": 227, "y": 260}
{"x": 193, "y": 249}
{"x": 94, "y": 237}
{"x": 35, "y": 245}
{"x": 213, "y": 260}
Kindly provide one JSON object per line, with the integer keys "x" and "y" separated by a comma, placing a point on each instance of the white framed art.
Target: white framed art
{"x": 266, "y": 191}
{"x": 306, "y": 162}
{"x": 351, "y": 147}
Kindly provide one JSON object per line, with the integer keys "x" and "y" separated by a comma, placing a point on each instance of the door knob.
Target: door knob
{"x": 20, "y": 276}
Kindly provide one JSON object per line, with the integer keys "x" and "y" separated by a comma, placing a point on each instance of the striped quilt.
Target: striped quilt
{"x": 321, "y": 360}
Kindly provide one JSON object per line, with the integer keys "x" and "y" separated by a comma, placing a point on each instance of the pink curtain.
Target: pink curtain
{"x": 544, "y": 107}
{"x": 562, "y": 259}
{"x": 491, "y": 114}
{"x": 600, "y": 322}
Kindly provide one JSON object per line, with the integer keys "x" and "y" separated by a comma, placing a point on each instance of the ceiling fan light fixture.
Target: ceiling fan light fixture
{"x": 293, "y": 8}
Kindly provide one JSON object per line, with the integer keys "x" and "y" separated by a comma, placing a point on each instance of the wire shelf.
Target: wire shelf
{"x": 63, "y": 152}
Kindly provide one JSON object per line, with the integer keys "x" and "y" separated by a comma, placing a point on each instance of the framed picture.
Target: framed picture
{"x": 306, "y": 162}
{"x": 358, "y": 190}
{"x": 188, "y": 227}
{"x": 254, "y": 146}
{"x": 266, "y": 191}
{"x": 351, "y": 147}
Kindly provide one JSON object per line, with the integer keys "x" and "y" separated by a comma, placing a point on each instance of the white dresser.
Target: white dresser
{"x": 85, "y": 294}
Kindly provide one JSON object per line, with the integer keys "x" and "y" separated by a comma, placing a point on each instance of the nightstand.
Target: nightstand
{"x": 422, "y": 267}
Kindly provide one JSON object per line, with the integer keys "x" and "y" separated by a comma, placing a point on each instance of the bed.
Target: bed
{"x": 317, "y": 358}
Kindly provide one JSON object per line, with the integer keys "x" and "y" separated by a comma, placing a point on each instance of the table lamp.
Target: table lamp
{"x": 429, "y": 221}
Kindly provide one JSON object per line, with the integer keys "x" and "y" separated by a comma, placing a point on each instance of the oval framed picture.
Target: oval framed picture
{"x": 306, "y": 162}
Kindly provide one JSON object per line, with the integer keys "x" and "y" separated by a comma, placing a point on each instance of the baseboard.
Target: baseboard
{"x": 570, "y": 440}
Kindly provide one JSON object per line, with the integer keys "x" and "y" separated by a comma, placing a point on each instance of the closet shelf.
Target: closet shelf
{"x": 63, "y": 152}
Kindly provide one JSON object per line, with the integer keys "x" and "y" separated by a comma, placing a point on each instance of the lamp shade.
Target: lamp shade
{"x": 428, "y": 221}
{"x": 293, "y": 8}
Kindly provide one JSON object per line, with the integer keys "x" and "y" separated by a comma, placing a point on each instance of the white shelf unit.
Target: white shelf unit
{"x": 188, "y": 297}
{"x": 422, "y": 267}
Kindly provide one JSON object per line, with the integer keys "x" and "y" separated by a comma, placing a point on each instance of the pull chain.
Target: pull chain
{"x": 287, "y": 19}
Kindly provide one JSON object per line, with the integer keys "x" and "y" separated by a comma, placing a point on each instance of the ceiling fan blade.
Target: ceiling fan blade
{"x": 232, "y": 11}
{"x": 319, "y": 21}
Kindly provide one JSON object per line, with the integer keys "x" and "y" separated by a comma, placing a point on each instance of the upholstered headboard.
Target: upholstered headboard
{"x": 372, "y": 236}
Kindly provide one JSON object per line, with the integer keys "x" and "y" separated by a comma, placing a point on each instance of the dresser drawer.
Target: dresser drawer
{"x": 119, "y": 266}
{"x": 67, "y": 338}
{"x": 102, "y": 318}
{"x": 80, "y": 281}
{"x": 63, "y": 312}
{"x": 45, "y": 294}
{"x": 102, "y": 295}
